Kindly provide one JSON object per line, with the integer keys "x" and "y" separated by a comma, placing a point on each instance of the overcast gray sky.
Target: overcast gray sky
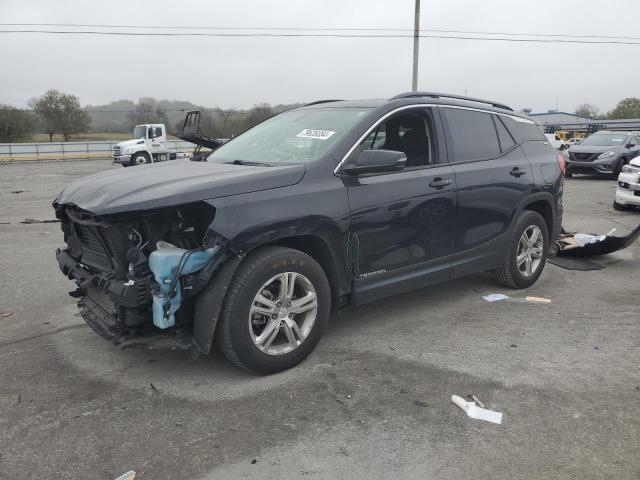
{"x": 239, "y": 72}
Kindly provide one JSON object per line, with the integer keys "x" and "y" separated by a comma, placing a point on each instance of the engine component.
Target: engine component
{"x": 168, "y": 263}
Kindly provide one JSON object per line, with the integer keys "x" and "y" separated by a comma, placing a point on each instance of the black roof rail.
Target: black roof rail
{"x": 317, "y": 102}
{"x": 456, "y": 97}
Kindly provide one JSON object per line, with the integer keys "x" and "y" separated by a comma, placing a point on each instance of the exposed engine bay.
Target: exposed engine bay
{"x": 137, "y": 273}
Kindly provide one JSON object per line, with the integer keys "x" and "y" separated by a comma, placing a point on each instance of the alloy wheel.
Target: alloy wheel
{"x": 530, "y": 251}
{"x": 283, "y": 313}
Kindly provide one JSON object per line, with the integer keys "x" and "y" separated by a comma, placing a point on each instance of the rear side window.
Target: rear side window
{"x": 506, "y": 142}
{"x": 521, "y": 130}
{"x": 472, "y": 135}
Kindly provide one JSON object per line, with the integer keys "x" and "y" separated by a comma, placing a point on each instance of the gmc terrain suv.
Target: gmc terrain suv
{"x": 330, "y": 205}
{"x": 604, "y": 153}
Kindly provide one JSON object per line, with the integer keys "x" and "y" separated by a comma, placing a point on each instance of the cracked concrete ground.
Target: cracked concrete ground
{"x": 373, "y": 400}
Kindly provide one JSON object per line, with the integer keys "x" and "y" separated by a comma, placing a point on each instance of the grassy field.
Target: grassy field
{"x": 88, "y": 137}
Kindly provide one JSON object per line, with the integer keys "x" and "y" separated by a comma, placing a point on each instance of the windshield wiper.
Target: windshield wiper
{"x": 246, "y": 162}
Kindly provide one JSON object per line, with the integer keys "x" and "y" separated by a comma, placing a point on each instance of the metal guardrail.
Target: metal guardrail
{"x": 11, "y": 152}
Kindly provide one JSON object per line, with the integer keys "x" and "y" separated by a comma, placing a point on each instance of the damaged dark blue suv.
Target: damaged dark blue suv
{"x": 330, "y": 205}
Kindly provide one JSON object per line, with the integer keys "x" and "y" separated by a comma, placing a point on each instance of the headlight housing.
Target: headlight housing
{"x": 630, "y": 169}
{"x": 608, "y": 154}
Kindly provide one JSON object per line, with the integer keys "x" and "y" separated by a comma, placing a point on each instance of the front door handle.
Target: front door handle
{"x": 517, "y": 172}
{"x": 439, "y": 182}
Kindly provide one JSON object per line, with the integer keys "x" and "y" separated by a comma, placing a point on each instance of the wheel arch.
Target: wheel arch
{"x": 542, "y": 204}
{"x": 318, "y": 249}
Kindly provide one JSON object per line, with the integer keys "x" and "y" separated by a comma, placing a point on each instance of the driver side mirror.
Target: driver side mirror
{"x": 376, "y": 161}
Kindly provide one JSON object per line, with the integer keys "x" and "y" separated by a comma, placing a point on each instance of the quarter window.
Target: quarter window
{"x": 472, "y": 135}
{"x": 506, "y": 142}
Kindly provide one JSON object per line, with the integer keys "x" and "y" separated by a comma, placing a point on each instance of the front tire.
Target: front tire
{"x": 567, "y": 173}
{"x": 140, "y": 159}
{"x": 526, "y": 253}
{"x": 275, "y": 311}
{"x": 620, "y": 206}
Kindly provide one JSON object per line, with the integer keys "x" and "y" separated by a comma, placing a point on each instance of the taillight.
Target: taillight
{"x": 561, "y": 162}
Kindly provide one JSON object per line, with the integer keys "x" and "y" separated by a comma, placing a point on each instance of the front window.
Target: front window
{"x": 604, "y": 140}
{"x": 139, "y": 132}
{"x": 297, "y": 136}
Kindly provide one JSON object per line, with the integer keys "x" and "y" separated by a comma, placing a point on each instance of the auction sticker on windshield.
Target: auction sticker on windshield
{"x": 312, "y": 133}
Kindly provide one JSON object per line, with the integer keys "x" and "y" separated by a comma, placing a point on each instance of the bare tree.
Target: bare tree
{"x": 587, "y": 110}
{"x": 60, "y": 112}
{"x": 147, "y": 112}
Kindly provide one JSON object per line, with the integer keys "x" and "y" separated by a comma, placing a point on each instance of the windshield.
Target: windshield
{"x": 139, "y": 132}
{"x": 297, "y": 136}
{"x": 605, "y": 140}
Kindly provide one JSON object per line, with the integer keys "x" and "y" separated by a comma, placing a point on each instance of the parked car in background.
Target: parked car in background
{"x": 574, "y": 141}
{"x": 330, "y": 205}
{"x": 555, "y": 141}
{"x": 628, "y": 191}
{"x": 604, "y": 152}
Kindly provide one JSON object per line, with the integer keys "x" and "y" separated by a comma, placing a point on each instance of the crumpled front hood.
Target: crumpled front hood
{"x": 171, "y": 183}
{"x": 593, "y": 149}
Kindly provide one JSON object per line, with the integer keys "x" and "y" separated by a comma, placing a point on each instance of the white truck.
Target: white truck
{"x": 149, "y": 143}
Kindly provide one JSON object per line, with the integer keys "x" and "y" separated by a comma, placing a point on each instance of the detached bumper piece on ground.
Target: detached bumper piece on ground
{"x": 582, "y": 245}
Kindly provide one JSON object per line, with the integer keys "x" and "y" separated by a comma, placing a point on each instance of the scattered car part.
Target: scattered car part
{"x": 474, "y": 411}
{"x": 592, "y": 245}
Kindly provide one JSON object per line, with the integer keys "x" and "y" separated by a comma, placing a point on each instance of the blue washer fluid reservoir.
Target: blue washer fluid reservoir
{"x": 164, "y": 264}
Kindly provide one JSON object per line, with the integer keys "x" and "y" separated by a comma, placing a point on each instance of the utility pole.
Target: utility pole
{"x": 416, "y": 47}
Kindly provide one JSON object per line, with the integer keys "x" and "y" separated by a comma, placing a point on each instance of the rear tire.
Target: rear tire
{"x": 526, "y": 256}
{"x": 256, "y": 330}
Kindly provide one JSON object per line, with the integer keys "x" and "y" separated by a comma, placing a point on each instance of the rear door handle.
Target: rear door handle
{"x": 439, "y": 182}
{"x": 517, "y": 172}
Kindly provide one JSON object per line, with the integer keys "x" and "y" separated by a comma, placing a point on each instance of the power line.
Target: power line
{"x": 319, "y": 35}
{"x": 313, "y": 29}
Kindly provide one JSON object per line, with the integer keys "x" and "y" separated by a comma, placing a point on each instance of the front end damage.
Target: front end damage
{"x": 138, "y": 274}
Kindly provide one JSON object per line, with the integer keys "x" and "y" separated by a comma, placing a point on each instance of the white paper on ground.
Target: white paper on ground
{"x": 495, "y": 297}
{"x": 130, "y": 475}
{"x": 476, "y": 412}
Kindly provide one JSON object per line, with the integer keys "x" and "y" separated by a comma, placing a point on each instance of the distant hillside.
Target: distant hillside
{"x": 122, "y": 115}
{"x": 115, "y": 116}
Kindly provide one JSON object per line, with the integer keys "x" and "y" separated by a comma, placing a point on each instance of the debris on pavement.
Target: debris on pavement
{"x": 537, "y": 299}
{"x": 5, "y": 314}
{"x": 153, "y": 387}
{"x": 495, "y": 297}
{"x": 498, "y": 297}
{"x": 29, "y": 221}
{"x": 574, "y": 263}
{"x": 471, "y": 396}
{"x": 586, "y": 245}
{"x": 474, "y": 411}
{"x": 130, "y": 475}
{"x": 420, "y": 403}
